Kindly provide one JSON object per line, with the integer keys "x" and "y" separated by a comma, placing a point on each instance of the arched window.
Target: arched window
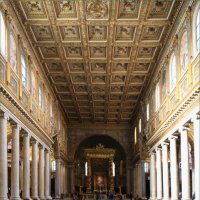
{"x": 140, "y": 125}
{"x": 2, "y": 35}
{"x": 147, "y": 112}
{"x": 184, "y": 52}
{"x": 86, "y": 168}
{"x": 135, "y": 135}
{"x": 53, "y": 166}
{"x": 197, "y": 30}
{"x": 113, "y": 168}
{"x": 13, "y": 53}
{"x": 164, "y": 83}
{"x": 172, "y": 72}
{"x": 24, "y": 69}
{"x": 146, "y": 167}
{"x": 40, "y": 96}
{"x": 157, "y": 96}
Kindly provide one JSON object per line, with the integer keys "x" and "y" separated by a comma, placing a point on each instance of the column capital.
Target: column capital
{"x": 158, "y": 149}
{"x": 196, "y": 117}
{"x": 4, "y": 115}
{"x": 153, "y": 152}
{"x": 15, "y": 125}
{"x": 184, "y": 128}
{"x": 173, "y": 137}
{"x": 46, "y": 150}
{"x": 33, "y": 140}
{"x": 40, "y": 146}
{"x": 25, "y": 133}
{"x": 164, "y": 144}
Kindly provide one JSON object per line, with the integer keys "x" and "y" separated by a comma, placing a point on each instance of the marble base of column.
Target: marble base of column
{"x": 15, "y": 198}
{"x": 48, "y": 198}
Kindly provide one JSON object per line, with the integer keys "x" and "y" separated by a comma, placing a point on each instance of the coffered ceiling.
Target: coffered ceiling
{"x": 98, "y": 54}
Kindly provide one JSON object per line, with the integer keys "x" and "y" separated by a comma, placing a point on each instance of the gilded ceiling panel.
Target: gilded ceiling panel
{"x": 98, "y": 54}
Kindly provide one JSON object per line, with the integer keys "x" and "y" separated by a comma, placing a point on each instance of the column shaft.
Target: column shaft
{"x": 57, "y": 181}
{"x": 41, "y": 173}
{"x": 3, "y": 157}
{"x": 173, "y": 169}
{"x": 185, "y": 170}
{"x": 66, "y": 179}
{"x": 127, "y": 180}
{"x": 47, "y": 174}
{"x": 165, "y": 172}
{"x": 34, "y": 178}
{"x": 153, "y": 176}
{"x": 143, "y": 179}
{"x": 134, "y": 184}
{"x": 72, "y": 179}
{"x": 159, "y": 173}
{"x": 26, "y": 166}
{"x": 197, "y": 156}
{"x": 15, "y": 163}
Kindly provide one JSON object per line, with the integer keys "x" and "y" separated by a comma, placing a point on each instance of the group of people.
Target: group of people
{"x": 99, "y": 195}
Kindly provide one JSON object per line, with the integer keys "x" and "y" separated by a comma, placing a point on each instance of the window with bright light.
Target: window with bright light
{"x": 157, "y": 96}
{"x": 53, "y": 166}
{"x": 40, "y": 96}
{"x": 113, "y": 168}
{"x": 13, "y": 53}
{"x": 172, "y": 72}
{"x": 146, "y": 167}
{"x": 24, "y": 69}
{"x": 184, "y": 52}
{"x": 2, "y": 35}
{"x": 140, "y": 125}
{"x": 86, "y": 169}
{"x": 135, "y": 135}
{"x": 147, "y": 112}
{"x": 197, "y": 31}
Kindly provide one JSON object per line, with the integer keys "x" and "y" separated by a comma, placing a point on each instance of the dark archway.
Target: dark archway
{"x": 119, "y": 159}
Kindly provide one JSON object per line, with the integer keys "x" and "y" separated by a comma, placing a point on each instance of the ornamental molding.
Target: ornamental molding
{"x": 8, "y": 100}
{"x": 183, "y": 107}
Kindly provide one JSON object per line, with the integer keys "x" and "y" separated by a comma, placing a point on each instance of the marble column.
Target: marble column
{"x": 66, "y": 179}
{"x": 159, "y": 173}
{"x": 72, "y": 179}
{"x": 127, "y": 180}
{"x": 143, "y": 179}
{"x": 63, "y": 175}
{"x": 3, "y": 157}
{"x": 185, "y": 169}
{"x": 165, "y": 171}
{"x": 26, "y": 165}
{"x": 139, "y": 175}
{"x": 47, "y": 174}
{"x": 134, "y": 180}
{"x": 173, "y": 168}
{"x": 153, "y": 176}
{"x": 15, "y": 162}
{"x": 34, "y": 178}
{"x": 61, "y": 178}
{"x": 57, "y": 181}
{"x": 196, "y": 123}
{"x": 41, "y": 172}
{"x": 89, "y": 176}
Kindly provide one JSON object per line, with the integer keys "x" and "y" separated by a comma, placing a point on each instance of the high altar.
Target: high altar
{"x": 100, "y": 180}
